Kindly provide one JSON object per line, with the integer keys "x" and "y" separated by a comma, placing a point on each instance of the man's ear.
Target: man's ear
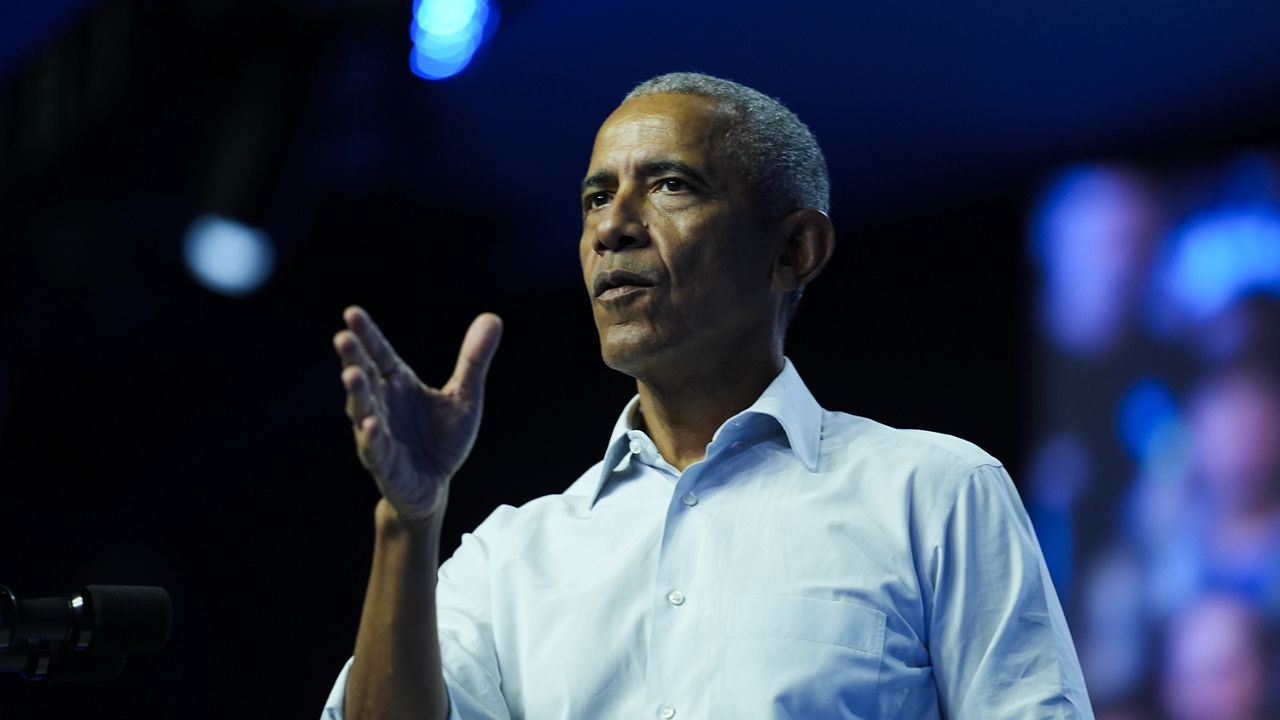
{"x": 809, "y": 241}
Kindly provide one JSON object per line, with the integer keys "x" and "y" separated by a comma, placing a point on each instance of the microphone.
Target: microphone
{"x": 84, "y": 635}
{"x": 39, "y": 663}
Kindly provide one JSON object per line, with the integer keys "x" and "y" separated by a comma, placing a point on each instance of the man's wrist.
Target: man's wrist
{"x": 390, "y": 523}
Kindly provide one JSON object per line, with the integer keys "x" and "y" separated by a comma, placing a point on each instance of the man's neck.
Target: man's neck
{"x": 681, "y": 413}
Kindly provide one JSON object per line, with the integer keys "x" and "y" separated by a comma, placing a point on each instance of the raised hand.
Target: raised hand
{"x": 412, "y": 437}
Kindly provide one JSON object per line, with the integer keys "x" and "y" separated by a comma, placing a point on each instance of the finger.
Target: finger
{"x": 361, "y": 402}
{"x": 352, "y": 353}
{"x": 373, "y": 444}
{"x": 375, "y": 344}
{"x": 478, "y": 348}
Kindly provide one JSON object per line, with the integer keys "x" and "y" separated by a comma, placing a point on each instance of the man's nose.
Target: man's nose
{"x": 621, "y": 225}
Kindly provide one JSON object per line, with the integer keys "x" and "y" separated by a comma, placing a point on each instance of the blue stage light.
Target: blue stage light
{"x": 227, "y": 257}
{"x": 446, "y": 35}
{"x": 1220, "y": 256}
{"x": 1147, "y": 411}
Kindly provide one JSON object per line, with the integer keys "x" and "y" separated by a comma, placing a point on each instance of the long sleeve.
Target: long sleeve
{"x": 465, "y": 617}
{"x": 998, "y": 639}
{"x": 467, "y": 652}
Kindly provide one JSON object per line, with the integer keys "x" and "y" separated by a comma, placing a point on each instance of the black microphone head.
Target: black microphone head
{"x": 128, "y": 618}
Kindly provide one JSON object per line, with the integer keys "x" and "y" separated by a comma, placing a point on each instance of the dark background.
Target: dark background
{"x": 153, "y": 432}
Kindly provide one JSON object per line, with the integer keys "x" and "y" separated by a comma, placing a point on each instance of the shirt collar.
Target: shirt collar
{"x": 786, "y": 400}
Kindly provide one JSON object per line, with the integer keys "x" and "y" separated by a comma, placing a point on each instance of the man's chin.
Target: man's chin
{"x": 632, "y": 353}
{"x": 627, "y": 362}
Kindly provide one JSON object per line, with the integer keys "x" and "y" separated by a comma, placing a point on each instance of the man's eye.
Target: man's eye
{"x": 673, "y": 185}
{"x": 596, "y": 200}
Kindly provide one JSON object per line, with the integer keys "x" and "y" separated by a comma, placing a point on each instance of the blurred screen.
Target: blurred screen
{"x": 1154, "y": 471}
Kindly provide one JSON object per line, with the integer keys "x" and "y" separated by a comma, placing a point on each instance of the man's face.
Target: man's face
{"x": 676, "y": 262}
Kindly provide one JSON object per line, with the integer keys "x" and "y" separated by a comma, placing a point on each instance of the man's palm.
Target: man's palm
{"x": 413, "y": 437}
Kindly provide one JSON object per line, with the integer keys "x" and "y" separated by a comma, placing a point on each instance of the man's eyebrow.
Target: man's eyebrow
{"x": 652, "y": 168}
{"x": 672, "y": 167}
{"x": 600, "y": 179}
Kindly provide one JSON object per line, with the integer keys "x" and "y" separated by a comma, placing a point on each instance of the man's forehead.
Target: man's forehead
{"x": 636, "y": 132}
{"x": 655, "y": 127}
{"x": 692, "y": 114}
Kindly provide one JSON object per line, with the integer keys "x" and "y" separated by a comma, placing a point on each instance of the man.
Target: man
{"x": 739, "y": 552}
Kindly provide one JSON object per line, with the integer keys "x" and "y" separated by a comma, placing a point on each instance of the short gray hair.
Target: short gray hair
{"x": 777, "y": 152}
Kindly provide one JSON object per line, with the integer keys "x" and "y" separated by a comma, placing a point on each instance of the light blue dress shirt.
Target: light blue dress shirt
{"x": 814, "y": 565}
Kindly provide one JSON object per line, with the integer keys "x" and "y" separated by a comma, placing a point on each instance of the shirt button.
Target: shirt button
{"x": 689, "y": 499}
{"x": 675, "y": 597}
{"x": 666, "y": 712}
{"x": 636, "y": 447}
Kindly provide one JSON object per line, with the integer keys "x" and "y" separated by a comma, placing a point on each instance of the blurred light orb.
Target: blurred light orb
{"x": 227, "y": 257}
{"x": 446, "y": 35}
{"x": 1092, "y": 234}
{"x": 1221, "y": 256}
{"x": 1146, "y": 413}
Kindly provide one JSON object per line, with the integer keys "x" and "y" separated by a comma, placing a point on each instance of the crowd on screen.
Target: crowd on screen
{"x": 1154, "y": 478}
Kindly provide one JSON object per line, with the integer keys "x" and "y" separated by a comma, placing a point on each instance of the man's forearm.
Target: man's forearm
{"x": 396, "y": 673}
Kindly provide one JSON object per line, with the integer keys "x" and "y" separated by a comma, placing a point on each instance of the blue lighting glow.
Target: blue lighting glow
{"x": 1218, "y": 257}
{"x": 227, "y": 257}
{"x": 1147, "y": 411}
{"x": 446, "y": 35}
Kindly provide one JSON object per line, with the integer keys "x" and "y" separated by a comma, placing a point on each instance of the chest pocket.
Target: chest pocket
{"x": 801, "y": 657}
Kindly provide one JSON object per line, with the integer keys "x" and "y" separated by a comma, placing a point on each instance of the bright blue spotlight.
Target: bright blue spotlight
{"x": 227, "y": 257}
{"x": 1222, "y": 255}
{"x": 1147, "y": 410}
{"x": 446, "y": 35}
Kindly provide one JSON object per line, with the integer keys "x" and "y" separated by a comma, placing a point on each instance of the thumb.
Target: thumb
{"x": 478, "y": 348}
